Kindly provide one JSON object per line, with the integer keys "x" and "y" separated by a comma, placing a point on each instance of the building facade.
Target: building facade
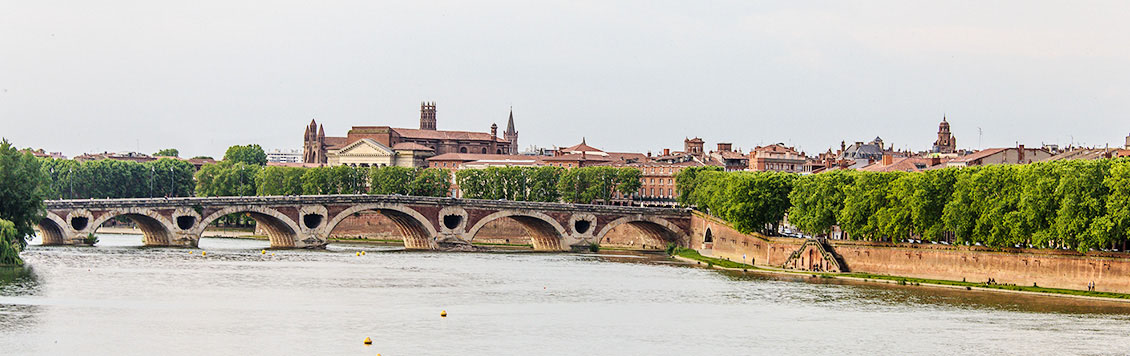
{"x": 398, "y": 146}
{"x": 778, "y": 158}
{"x": 287, "y": 156}
{"x": 1006, "y": 155}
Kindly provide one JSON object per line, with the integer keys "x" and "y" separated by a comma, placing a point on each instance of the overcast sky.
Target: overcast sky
{"x": 93, "y": 76}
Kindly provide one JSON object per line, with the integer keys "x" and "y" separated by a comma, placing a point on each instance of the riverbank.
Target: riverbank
{"x": 689, "y": 255}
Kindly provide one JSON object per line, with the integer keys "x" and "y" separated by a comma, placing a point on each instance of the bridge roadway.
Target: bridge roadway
{"x": 307, "y": 221}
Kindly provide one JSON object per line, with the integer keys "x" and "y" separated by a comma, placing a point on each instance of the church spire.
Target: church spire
{"x": 511, "y": 135}
{"x": 510, "y": 122}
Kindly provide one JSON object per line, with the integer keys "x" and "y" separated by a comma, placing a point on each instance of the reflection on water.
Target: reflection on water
{"x": 121, "y": 298}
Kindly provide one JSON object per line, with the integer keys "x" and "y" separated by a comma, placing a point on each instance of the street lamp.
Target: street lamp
{"x": 171, "y": 190}
{"x": 152, "y": 175}
{"x": 71, "y": 178}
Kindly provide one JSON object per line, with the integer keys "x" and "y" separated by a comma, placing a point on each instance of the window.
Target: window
{"x": 462, "y": 150}
{"x": 484, "y": 150}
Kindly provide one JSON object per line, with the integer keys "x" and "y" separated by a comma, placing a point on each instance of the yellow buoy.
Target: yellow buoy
{"x": 367, "y": 341}
{"x": 263, "y": 252}
{"x": 362, "y": 253}
{"x": 443, "y": 314}
{"x": 203, "y": 253}
{"x": 358, "y": 254}
{"x": 272, "y": 253}
{"x": 190, "y": 252}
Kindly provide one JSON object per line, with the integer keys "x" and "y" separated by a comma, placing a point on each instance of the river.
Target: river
{"x": 123, "y": 299}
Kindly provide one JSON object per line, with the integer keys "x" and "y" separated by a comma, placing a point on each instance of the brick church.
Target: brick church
{"x": 366, "y": 146}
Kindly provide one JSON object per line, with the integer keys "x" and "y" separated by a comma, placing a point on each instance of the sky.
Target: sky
{"x": 638, "y": 76}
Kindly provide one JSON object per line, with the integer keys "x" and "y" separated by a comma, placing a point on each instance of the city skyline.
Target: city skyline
{"x": 626, "y": 76}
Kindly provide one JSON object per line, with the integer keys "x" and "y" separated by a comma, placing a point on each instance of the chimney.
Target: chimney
{"x": 887, "y": 159}
{"x": 934, "y": 161}
{"x": 666, "y": 151}
{"x": 1020, "y": 153}
{"x": 724, "y": 147}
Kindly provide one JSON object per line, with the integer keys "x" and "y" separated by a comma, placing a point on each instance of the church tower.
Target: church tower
{"x": 511, "y": 135}
{"x": 428, "y": 115}
{"x": 310, "y": 146}
{"x": 946, "y": 143}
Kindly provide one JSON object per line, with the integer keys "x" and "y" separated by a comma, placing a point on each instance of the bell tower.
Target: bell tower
{"x": 946, "y": 143}
{"x": 428, "y": 115}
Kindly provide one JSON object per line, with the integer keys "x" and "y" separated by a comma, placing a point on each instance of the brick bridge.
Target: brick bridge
{"x": 307, "y": 221}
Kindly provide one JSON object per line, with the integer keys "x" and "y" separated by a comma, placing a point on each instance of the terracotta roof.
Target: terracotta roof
{"x": 336, "y": 142}
{"x": 411, "y": 146}
{"x": 902, "y": 164}
{"x": 582, "y": 147}
{"x": 446, "y": 135}
{"x": 1090, "y": 153}
{"x": 579, "y": 158}
{"x": 979, "y": 154}
{"x": 294, "y": 164}
{"x": 628, "y": 156}
{"x": 732, "y": 155}
{"x": 468, "y": 157}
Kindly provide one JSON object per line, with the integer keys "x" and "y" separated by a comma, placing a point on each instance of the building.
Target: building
{"x": 1127, "y": 142}
{"x": 287, "y": 156}
{"x": 386, "y": 145}
{"x": 871, "y": 151}
{"x": 41, "y": 153}
{"x": 889, "y": 163}
{"x": 731, "y": 160}
{"x": 694, "y": 147}
{"x": 777, "y": 157}
{"x": 946, "y": 143}
{"x": 1090, "y": 154}
{"x": 1006, "y": 155}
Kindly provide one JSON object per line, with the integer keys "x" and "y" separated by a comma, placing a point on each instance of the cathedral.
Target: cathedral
{"x": 374, "y": 146}
{"x": 946, "y": 143}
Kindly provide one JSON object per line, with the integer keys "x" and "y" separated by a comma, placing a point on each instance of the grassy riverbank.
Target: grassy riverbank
{"x": 691, "y": 254}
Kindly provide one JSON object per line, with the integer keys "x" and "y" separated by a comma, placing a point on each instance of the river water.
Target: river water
{"x": 123, "y": 299}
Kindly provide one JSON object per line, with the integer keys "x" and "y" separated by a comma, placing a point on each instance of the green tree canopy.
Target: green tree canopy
{"x": 250, "y": 154}
{"x": 23, "y": 187}
{"x": 168, "y": 152}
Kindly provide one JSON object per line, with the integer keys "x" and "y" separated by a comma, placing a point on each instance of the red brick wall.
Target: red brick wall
{"x": 1046, "y": 268}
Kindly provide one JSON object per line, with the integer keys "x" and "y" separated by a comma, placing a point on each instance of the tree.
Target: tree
{"x": 9, "y": 244}
{"x": 687, "y": 180}
{"x": 227, "y": 179}
{"x": 391, "y": 180}
{"x": 23, "y": 187}
{"x": 249, "y": 154}
{"x": 279, "y": 181}
{"x": 317, "y": 181}
{"x": 431, "y": 182}
{"x": 816, "y": 200}
{"x": 169, "y": 177}
{"x": 168, "y": 152}
{"x": 864, "y": 199}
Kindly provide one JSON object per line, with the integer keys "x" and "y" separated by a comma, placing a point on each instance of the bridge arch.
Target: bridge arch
{"x": 156, "y": 230}
{"x": 545, "y": 232}
{"x": 52, "y": 229}
{"x": 282, "y": 231}
{"x": 418, "y": 233}
{"x": 657, "y": 229}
